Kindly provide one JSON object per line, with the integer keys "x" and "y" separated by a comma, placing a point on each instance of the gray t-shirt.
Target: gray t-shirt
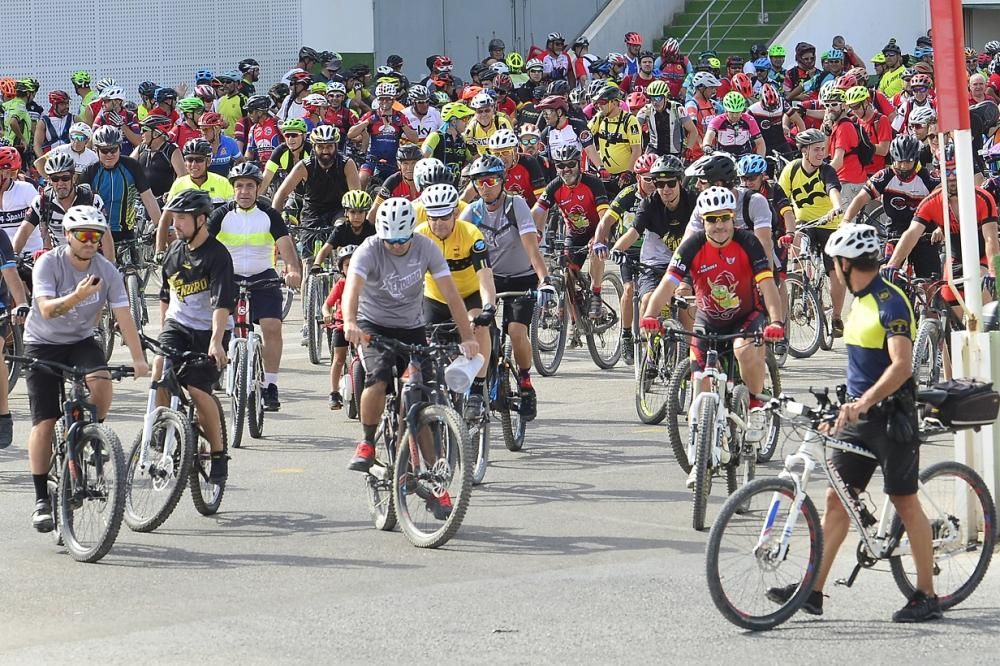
{"x": 55, "y": 277}
{"x": 508, "y": 257}
{"x": 394, "y": 285}
{"x": 759, "y": 208}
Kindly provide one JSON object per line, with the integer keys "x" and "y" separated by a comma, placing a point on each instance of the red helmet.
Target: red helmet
{"x": 58, "y": 97}
{"x": 633, "y": 39}
{"x": 921, "y": 80}
{"x": 671, "y": 47}
{"x": 303, "y": 78}
{"x": 742, "y": 84}
{"x": 636, "y": 100}
{"x": 468, "y": 92}
{"x": 769, "y": 98}
{"x": 846, "y": 81}
{"x": 211, "y": 119}
{"x": 616, "y": 59}
{"x": 644, "y": 163}
{"x": 503, "y": 82}
{"x": 443, "y": 64}
{"x": 8, "y": 87}
{"x": 553, "y": 102}
{"x": 10, "y": 158}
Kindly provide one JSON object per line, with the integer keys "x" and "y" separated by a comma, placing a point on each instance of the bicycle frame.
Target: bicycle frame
{"x": 167, "y": 381}
{"x": 719, "y": 382}
{"x": 244, "y": 335}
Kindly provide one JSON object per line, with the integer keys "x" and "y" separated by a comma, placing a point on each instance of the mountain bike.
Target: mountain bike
{"x": 810, "y": 303}
{"x": 13, "y": 346}
{"x": 768, "y": 533}
{"x": 314, "y": 291}
{"x": 85, "y": 481}
{"x": 424, "y": 462}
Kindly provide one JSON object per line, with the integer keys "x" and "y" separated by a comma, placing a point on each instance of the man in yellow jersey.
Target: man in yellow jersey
{"x": 197, "y": 155}
{"x": 892, "y": 82}
{"x": 486, "y": 122}
{"x": 618, "y": 138}
{"x": 231, "y": 101}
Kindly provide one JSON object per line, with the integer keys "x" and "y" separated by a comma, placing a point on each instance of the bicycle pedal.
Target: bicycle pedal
{"x": 379, "y": 471}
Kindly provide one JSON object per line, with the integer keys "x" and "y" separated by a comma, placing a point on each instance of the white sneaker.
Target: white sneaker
{"x": 757, "y": 425}
{"x": 691, "y": 478}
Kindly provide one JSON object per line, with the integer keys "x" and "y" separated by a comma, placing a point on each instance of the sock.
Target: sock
{"x": 270, "y": 378}
{"x": 627, "y": 333}
{"x": 369, "y": 431}
{"x": 41, "y": 482}
{"x": 524, "y": 377}
{"x": 596, "y": 290}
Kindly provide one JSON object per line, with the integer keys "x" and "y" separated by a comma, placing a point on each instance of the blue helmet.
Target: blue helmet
{"x": 751, "y": 165}
{"x": 762, "y": 63}
{"x": 203, "y": 75}
{"x": 922, "y": 52}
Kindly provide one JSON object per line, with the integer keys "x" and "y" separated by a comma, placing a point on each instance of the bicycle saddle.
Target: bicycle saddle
{"x": 932, "y": 396}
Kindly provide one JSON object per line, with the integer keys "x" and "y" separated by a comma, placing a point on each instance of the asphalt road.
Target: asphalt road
{"x": 577, "y": 549}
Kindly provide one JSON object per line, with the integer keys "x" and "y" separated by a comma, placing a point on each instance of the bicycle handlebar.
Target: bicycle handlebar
{"x": 53, "y": 367}
{"x": 756, "y": 336}
{"x": 185, "y": 358}
{"x": 259, "y": 284}
{"x": 391, "y": 344}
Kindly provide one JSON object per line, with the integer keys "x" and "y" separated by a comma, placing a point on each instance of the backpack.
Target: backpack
{"x": 865, "y": 149}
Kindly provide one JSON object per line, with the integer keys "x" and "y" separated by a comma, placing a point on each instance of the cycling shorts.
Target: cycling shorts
{"x": 44, "y": 388}
{"x": 436, "y": 312}
{"x": 522, "y": 308}
{"x": 182, "y": 338}
{"x": 265, "y": 302}
{"x": 754, "y": 322}
{"x": 900, "y": 462}
{"x": 378, "y": 363}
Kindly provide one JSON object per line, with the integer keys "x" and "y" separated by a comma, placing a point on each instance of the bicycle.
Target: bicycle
{"x": 86, "y": 466}
{"x": 171, "y": 450}
{"x": 571, "y": 308}
{"x": 132, "y": 264}
{"x": 244, "y": 382}
{"x": 764, "y": 545}
{"x": 314, "y": 291}
{"x": 810, "y": 309}
{"x": 402, "y": 484}
{"x": 13, "y": 346}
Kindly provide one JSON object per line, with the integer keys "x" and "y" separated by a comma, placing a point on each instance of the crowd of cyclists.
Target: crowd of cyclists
{"x": 433, "y": 194}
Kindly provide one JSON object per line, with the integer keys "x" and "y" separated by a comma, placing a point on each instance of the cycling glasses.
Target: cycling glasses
{"x": 440, "y": 218}
{"x": 503, "y": 152}
{"x": 78, "y": 137}
{"x": 61, "y": 179}
{"x": 717, "y": 218}
{"x": 920, "y": 89}
{"x": 647, "y": 179}
{"x": 530, "y": 141}
{"x": 566, "y": 166}
{"x": 88, "y": 235}
{"x": 488, "y": 181}
{"x": 195, "y": 158}
{"x": 666, "y": 182}
{"x": 949, "y": 173}
{"x": 397, "y": 241}
{"x": 657, "y": 98}
{"x": 293, "y": 135}
{"x": 108, "y": 150}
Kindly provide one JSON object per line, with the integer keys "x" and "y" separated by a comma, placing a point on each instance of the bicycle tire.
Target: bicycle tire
{"x": 743, "y": 467}
{"x": 678, "y": 401}
{"x": 733, "y": 520}
{"x": 703, "y": 463}
{"x": 207, "y": 496}
{"x": 358, "y": 383}
{"x": 554, "y": 316}
{"x": 903, "y": 570}
{"x": 481, "y": 437}
{"x": 772, "y": 387}
{"x": 255, "y": 397}
{"x": 13, "y": 346}
{"x": 239, "y": 398}
{"x": 134, "y": 291}
{"x": 604, "y": 339}
{"x": 825, "y": 299}
{"x": 925, "y": 353}
{"x": 509, "y": 398}
{"x": 654, "y": 370}
{"x": 313, "y": 326}
{"x": 114, "y": 491}
{"x": 803, "y": 311}
{"x": 379, "y": 490}
{"x": 454, "y": 467}
{"x": 106, "y": 332}
{"x": 287, "y": 297}
{"x": 180, "y": 470}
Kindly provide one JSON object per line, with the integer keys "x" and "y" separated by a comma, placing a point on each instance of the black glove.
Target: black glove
{"x": 487, "y": 316}
{"x": 22, "y": 311}
{"x": 619, "y": 257}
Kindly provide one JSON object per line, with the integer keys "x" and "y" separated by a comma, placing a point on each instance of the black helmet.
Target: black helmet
{"x": 566, "y": 153}
{"x": 197, "y": 146}
{"x": 477, "y": 69}
{"x": 486, "y": 165}
{"x": 258, "y": 103}
{"x": 538, "y": 92}
{"x": 190, "y": 201}
{"x": 408, "y": 153}
{"x": 987, "y": 113}
{"x": 496, "y": 45}
{"x": 667, "y": 165}
{"x": 394, "y": 61}
{"x": 307, "y": 52}
{"x": 905, "y": 148}
{"x": 609, "y": 91}
{"x": 247, "y": 64}
{"x": 245, "y": 170}
{"x": 163, "y": 94}
{"x": 560, "y": 87}
{"x": 156, "y": 121}
{"x": 147, "y": 89}
{"x": 714, "y": 167}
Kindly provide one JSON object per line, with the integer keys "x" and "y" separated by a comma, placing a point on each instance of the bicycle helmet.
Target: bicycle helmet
{"x": 852, "y": 241}
{"x": 307, "y": 53}
{"x": 644, "y": 163}
{"x": 554, "y": 37}
{"x": 107, "y": 136}
{"x": 616, "y": 59}
{"x": 80, "y": 78}
{"x": 336, "y": 87}
{"x": 921, "y": 80}
{"x": 408, "y": 153}
{"x": 147, "y": 89}
{"x": 578, "y": 97}
{"x": 345, "y": 253}
{"x": 667, "y": 165}
{"x": 59, "y": 161}
{"x": 197, "y": 146}
{"x": 559, "y": 87}
{"x": 762, "y": 64}
{"x": 717, "y": 167}
{"x": 715, "y": 199}
{"x": 481, "y": 101}
{"x": 553, "y": 102}
{"x": 568, "y": 152}
{"x": 313, "y": 103}
{"x": 7, "y": 87}
{"x": 500, "y": 68}
{"x": 528, "y": 129}
{"x": 230, "y": 76}
{"x": 636, "y": 100}
{"x": 191, "y": 105}
{"x": 418, "y": 93}
{"x": 515, "y": 61}
{"x": 324, "y": 134}
{"x": 384, "y": 70}
{"x": 439, "y": 200}
{"x": 58, "y": 97}
{"x": 922, "y": 115}
{"x": 487, "y": 165}
{"x": 299, "y": 78}
{"x": 453, "y": 110}
{"x": 501, "y": 139}
{"x": 609, "y": 92}
{"x": 258, "y": 103}
{"x": 734, "y": 61}
{"x": 247, "y": 64}
{"x": 318, "y": 88}
{"x": 832, "y": 54}
{"x": 112, "y": 92}
{"x": 203, "y": 75}
{"x": 9, "y": 158}
{"x": 970, "y": 52}
{"x": 846, "y": 82}
{"x": 829, "y": 93}
{"x": 386, "y": 90}
{"x": 395, "y": 219}
{"x": 430, "y": 171}
{"x": 857, "y": 95}
{"x": 533, "y": 63}
{"x": 84, "y": 128}
{"x": 751, "y": 164}
{"x": 705, "y": 80}
{"x": 633, "y": 39}
{"x": 356, "y": 200}
{"x": 104, "y": 83}
{"x": 742, "y": 84}
{"x": 658, "y": 89}
{"x": 734, "y": 102}
{"x": 905, "y": 148}
{"x": 84, "y": 217}
{"x": 163, "y": 94}
{"x": 769, "y": 98}
{"x": 503, "y": 83}
{"x": 443, "y": 64}
{"x": 294, "y": 125}
{"x": 922, "y": 52}
{"x": 246, "y": 170}
{"x": 204, "y": 92}
{"x": 196, "y": 202}
{"x": 670, "y": 47}
{"x": 809, "y": 137}
{"x": 211, "y": 119}
{"x": 777, "y": 51}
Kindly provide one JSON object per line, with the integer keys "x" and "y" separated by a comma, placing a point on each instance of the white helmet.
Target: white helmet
{"x": 439, "y": 200}
{"x": 500, "y": 67}
{"x": 533, "y": 63}
{"x": 716, "y": 198}
{"x": 395, "y": 219}
{"x": 84, "y": 217}
{"x": 81, "y": 128}
{"x": 315, "y": 99}
{"x": 336, "y": 87}
{"x": 853, "y": 240}
{"x": 705, "y": 80}
{"x": 104, "y": 83}
{"x": 502, "y": 138}
{"x": 428, "y": 171}
{"x": 112, "y": 92}
{"x": 386, "y": 90}
{"x": 922, "y": 115}
{"x": 481, "y": 100}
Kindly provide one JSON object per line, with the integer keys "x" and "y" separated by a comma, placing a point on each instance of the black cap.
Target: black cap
{"x": 394, "y": 60}
{"x": 891, "y": 47}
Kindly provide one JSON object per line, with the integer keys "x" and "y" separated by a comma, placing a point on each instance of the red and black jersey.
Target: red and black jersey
{"x": 395, "y": 186}
{"x": 900, "y": 197}
{"x": 581, "y": 205}
{"x": 725, "y": 278}
{"x": 930, "y": 214}
{"x": 525, "y": 178}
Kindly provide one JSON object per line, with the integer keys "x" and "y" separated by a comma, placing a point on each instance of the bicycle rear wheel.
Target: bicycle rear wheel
{"x": 255, "y": 396}
{"x": 105, "y": 333}
{"x": 605, "y": 339}
{"x": 653, "y": 380}
{"x": 927, "y": 353}
{"x": 152, "y": 494}
{"x": 826, "y": 309}
{"x": 314, "y": 321}
{"x": 357, "y": 386}
{"x": 424, "y": 490}
{"x": 704, "y": 432}
{"x": 963, "y": 528}
{"x": 134, "y": 290}
{"x": 804, "y": 318}
{"x": 479, "y": 434}
{"x": 240, "y": 397}
{"x": 207, "y": 496}
{"x": 743, "y": 467}
{"x": 679, "y": 396}
{"x": 91, "y": 508}
{"x": 549, "y": 330}
{"x": 743, "y": 558}
{"x": 378, "y": 481}
{"x": 13, "y": 346}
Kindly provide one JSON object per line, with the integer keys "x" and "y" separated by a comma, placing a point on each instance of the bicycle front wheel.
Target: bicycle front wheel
{"x": 549, "y": 330}
{"x": 240, "y": 397}
{"x": 605, "y": 339}
{"x": 704, "y": 433}
{"x": 745, "y": 560}
{"x": 13, "y": 346}
{"x": 255, "y": 395}
{"x": 92, "y": 498}
{"x": 151, "y": 494}
{"x": 314, "y": 320}
{"x": 134, "y": 290}
{"x": 509, "y": 404}
{"x": 927, "y": 356}
{"x": 433, "y": 477}
{"x": 652, "y": 381}
{"x": 378, "y": 481}
{"x": 479, "y": 433}
{"x": 963, "y": 529}
{"x": 772, "y": 387}
{"x": 679, "y": 396}
{"x": 804, "y": 318}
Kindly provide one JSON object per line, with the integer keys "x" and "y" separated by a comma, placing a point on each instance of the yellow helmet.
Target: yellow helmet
{"x": 856, "y": 95}
{"x": 356, "y": 200}
{"x": 457, "y": 110}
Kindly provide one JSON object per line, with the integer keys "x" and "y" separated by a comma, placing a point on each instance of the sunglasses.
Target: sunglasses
{"x": 78, "y": 137}
{"x": 536, "y": 70}
{"x": 918, "y": 125}
{"x": 529, "y": 142}
{"x": 646, "y": 179}
{"x": 919, "y": 89}
{"x": 489, "y": 181}
{"x": 666, "y": 182}
{"x": 108, "y": 151}
{"x": 293, "y": 135}
{"x": 504, "y": 152}
{"x": 195, "y": 158}
{"x": 396, "y": 241}
{"x": 718, "y": 218}
{"x": 439, "y": 218}
{"x": 88, "y": 236}
{"x": 832, "y": 105}
{"x": 567, "y": 166}
{"x": 657, "y": 98}
{"x": 949, "y": 173}
{"x": 61, "y": 179}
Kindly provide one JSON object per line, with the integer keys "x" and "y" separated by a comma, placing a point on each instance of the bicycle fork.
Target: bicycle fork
{"x": 169, "y": 441}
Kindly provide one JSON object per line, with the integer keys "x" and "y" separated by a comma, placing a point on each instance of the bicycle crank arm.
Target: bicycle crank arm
{"x": 849, "y": 581}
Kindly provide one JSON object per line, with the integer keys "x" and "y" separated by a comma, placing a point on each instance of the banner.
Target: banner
{"x": 951, "y": 80}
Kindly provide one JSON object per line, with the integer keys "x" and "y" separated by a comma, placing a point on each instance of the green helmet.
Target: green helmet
{"x": 80, "y": 78}
{"x": 734, "y": 102}
{"x": 657, "y": 89}
{"x": 318, "y": 87}
{"x": 515, "y": 61}
{"x": 777, "y": 51}
{"x": 294, "y": 125}
{"x": 191, "y": 105}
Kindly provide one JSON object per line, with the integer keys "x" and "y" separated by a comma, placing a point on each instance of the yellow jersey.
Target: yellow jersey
{"x": 479, "y": 136}
{"x": 217, "y": 186}
{"x": 614, "y": 139}
{"x": 466, "y": 254}
{"x": 809, "y": 194}
{"x": 421, "y": 213}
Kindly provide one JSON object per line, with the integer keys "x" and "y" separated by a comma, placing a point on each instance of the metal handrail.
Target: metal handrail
{"x": 708, "y": 25}
{"x": 706, "y": 33}
{"x": 738, "y": 17}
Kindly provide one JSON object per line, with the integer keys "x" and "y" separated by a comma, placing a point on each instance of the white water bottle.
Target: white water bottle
{"x": 460, "y": 372}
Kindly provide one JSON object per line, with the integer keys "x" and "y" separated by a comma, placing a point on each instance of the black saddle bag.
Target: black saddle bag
{"x": 968, "y": 403}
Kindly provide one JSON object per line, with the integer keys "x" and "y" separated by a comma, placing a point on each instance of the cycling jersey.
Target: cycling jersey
{"x": 282, "y": 160}
{"x": 395, "y": 186}
{"x": 877, "y": 129}
{"x": 81, "y": 160}
{"x": 892, "y": 82}
{"x": 624, "y": 208}
{"x": 197, "y": 282}
{"x": 86, "y": 101}
{"x": 527, "y": 114}
{"x": 14, "y": 209}
{"x": 425, "y": 125}
{"x": 796, "y": 76}
{"x": 56, "y": 131}
{"x": 450, "y": 149}
{"x": 702, "y": 112}
{"x": 665, "y": 128}
{"x": 581, "y": 205}
{"x": 636, "y": 83}
{"x": 662, "y": 229}
{"x": 324, "y": 190}
{"x": 556, "y": 66}
{"x": 385, "y": 132}
{"x": 249, "y": 235}
{"x": 224, "y": 156}
{"x": 508, "y": 107}
{"x": 45, "y": 207}
{"x": 120, "y": 187}
{"x": 420, "y": 213}
{"x": 771, "y": 128}
{"x": 502, "y": 230}
{"x": 573, "y": 131}
{"x": 879, "y": 311}
{"x": 157, "y": 166}
{"x": 183, "y": 133}
{"x": 478, "y": 136}
{"x": 218, "y": 188}
{"x": 736, "y": 138}
{"x": 615, "y": 139}
{"x": 264, "y": 137}
{"x": 809, "y": 194}
{"x": 929, "y": 214}
{"x": 900, "y": 197}
{"x": 525, "y": 179}
{"x": 17, "y": 108}
{"x": 465, "y": 251}
{"x": 230, "y": 107}
{"x": 343, "y": 119}
{"x": 748, "y": 204}
{"x": 344, "y": 234}
{"x": 845, "y": 136}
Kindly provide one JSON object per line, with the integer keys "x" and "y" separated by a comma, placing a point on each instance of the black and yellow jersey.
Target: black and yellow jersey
{"x": 614, "y": 139}
{"x": 879, "y": 311}
{"x": 466, "y": 254}
{"x": 809, "y": 193}
{"x": 478, "y": 136}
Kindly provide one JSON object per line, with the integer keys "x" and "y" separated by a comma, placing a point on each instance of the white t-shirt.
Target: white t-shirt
{"x": 14, "y": 208}
{"x": 423, "y": 126}
{"x": 82, "y": 160}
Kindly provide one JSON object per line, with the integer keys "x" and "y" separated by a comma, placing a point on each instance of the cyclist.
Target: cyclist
{"x": 876, "y": 126}
{"x": 72, "y": 286}
{"x": 618, "y": 139}
{"x": 384, "y": 127}
{"x": 467, "y": 257}
{"x": 353, "y": 230}
{"x": 114, "y": 113}
{"x": 262, "y": 134}
{"x": 673, "y": 67}
{"x": 535, "y": 71}
{"x": 423, "y": 117}
{"x": 250, "y": 69}
{"x": 338, "y": 114}
{"x": 486, "y": 122}
{"x": 384, "y": 285}
{"x": 292, "y": 106}
{"x": 844, "y": 143}
{"x": 250, "y": 231}
{"x": 556, "y": 62}
{"x": 813, "y": 190}
{"x": 447, "y": 143}
{"x": 197, "y": 155}
{"x": 53, "y": 129}
{"x": 83, "y": 157}
{"x": 772, "y": 115}
{"x": 524, "y": 176}
{"x": 703, "y": 106}
{"x": 315, "y": 106}
{"x": 15, "y": 196}
{"x": 333, "y": 316}
{"x": 581, "y": 200}
{"x": 561, "y": 129}
{"x": 225, "y": 152}
{"x": 287, "y": 155}
{"x": 399, "y": 184}
{"x": 81, "y": 86}
{"x": 729, "y": 272}
{"x": 159, "y": 157}
{"x": 735, "y": 131}
{"x": 668, "y": 127}
{"x": 797, "y": 83}
{"x": 880, "y": 335}
{"x": 16, "y": 118}
{"x": 191, "y": 109}
{"x": 231, "y": 102}
{"x": 919, "y": 124}
{"x": 641, "y": 80}
{"x": 891, "y": 83}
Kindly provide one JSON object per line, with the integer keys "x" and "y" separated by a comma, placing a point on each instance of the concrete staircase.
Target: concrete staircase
{"x": 733, "y": 26}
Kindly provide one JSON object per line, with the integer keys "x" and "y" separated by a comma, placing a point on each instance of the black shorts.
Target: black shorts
{"x": 265, "y": 302}
{"x": 436, "y": 312}
{"x": 339, "y": 341}
{"x": 522, "y": 308}
{"x": 817, "y": 245}
{"x": 900, "y": 462}
{"x": 925, "y": 259}
{"x": 180, "y": 337}
{"x": 649, "y": 280}
{"x": 579, "y": 251}
{"x": 378, "y": 363}
{"x": 44, "y": 388}
{"x": 628, "y": 269}
{"x": 755, "y": 321}
{"x": 315, "y": 229}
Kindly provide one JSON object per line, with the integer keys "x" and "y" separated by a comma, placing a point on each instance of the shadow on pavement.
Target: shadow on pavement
{"x": 510, "y": 542}
{"x": 492, "y": 495}
{"x": 161, "y": 557}
{"x": 261, "y": 524}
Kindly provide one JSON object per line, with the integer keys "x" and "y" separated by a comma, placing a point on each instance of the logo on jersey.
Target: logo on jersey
{"x": 577, "y": 217}
{"x": 479, "y": 246}
{"x": 722, "y": 301}
{"x": 395, "y": 285}
{"x": 900, "y": 203}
